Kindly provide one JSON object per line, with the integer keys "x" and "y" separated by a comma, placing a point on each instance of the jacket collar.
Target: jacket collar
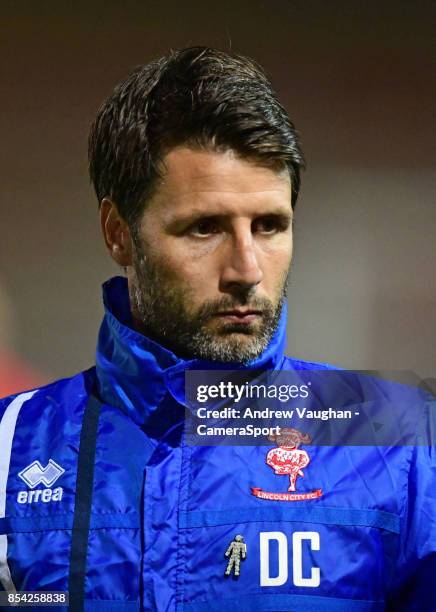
{"x": 135, "y": 373}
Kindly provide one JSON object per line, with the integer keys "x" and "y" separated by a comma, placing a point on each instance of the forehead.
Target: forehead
{"x": 209, "y": 179}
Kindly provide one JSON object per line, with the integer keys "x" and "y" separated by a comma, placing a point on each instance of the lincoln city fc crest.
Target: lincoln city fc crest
{"x": 288, "y": 459}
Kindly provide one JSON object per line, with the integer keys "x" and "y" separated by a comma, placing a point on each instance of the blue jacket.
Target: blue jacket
{"x": 101, "y": 496}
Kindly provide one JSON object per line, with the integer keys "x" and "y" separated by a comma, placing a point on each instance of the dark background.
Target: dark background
{"x": 358, "y": 79}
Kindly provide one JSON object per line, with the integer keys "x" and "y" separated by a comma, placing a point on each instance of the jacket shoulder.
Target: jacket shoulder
{"x": 71, "y": 391}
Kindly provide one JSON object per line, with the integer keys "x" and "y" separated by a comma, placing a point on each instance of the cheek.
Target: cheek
{"x": 195, "y": 263}
{"x": 279, "y": 246}
{"x": 276, "y": 261}
{"x": 190, "y": 274}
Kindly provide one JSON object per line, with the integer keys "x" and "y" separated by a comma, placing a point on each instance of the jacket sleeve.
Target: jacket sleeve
{"x": 415, "y": 575}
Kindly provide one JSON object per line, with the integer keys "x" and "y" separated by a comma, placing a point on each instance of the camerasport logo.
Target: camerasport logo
{"x": 34, "y": 475}
{"x": 288, "y": 459}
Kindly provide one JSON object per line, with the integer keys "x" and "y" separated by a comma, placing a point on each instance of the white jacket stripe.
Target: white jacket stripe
{"x": 7, "y": 430}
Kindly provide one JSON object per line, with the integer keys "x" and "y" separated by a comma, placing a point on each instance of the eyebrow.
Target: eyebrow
{"x": 181, "y": 222}
{"x": 206, "y": 212}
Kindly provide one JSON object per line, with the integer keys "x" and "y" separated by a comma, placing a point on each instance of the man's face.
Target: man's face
{"x": 211, "y": 256}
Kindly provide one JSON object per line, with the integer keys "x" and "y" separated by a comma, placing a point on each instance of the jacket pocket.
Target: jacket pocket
{"x": 307, "y": 558}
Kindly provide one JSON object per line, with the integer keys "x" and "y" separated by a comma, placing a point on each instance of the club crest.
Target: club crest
{"x": 287, "y": 459}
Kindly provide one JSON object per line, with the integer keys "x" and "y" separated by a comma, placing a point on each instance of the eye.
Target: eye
{"x": 270, "y": 224}
{"x": 204, "y": 227}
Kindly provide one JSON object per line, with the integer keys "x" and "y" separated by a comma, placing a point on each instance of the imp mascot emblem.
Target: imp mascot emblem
{"x": 288, "y": 459}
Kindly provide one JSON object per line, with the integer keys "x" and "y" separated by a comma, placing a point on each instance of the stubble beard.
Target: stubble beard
{"x": 164, "y": 317}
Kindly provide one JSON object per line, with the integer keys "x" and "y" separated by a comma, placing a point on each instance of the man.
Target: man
{"x": 196, "y": 169}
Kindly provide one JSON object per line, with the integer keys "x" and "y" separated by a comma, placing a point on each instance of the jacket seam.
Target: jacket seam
{"x": 180, "y": 577}
{"x": 262, "y": 594}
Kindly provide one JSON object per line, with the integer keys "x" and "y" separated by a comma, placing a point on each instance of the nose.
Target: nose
{"x": 241, "y": 272}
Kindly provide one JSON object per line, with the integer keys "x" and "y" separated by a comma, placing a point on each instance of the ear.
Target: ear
{"x": 116, "y": 233}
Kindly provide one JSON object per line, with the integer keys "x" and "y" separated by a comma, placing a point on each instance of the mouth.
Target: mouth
{"x": 237, "y": 315}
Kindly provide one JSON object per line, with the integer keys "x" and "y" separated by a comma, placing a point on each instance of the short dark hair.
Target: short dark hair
{"x": 200, "y": 97}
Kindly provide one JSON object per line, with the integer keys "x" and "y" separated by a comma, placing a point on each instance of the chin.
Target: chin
{"x": 236, "y": 349}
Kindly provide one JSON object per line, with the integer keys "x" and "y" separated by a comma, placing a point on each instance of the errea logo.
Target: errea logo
{"x": 35, "y": 474}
